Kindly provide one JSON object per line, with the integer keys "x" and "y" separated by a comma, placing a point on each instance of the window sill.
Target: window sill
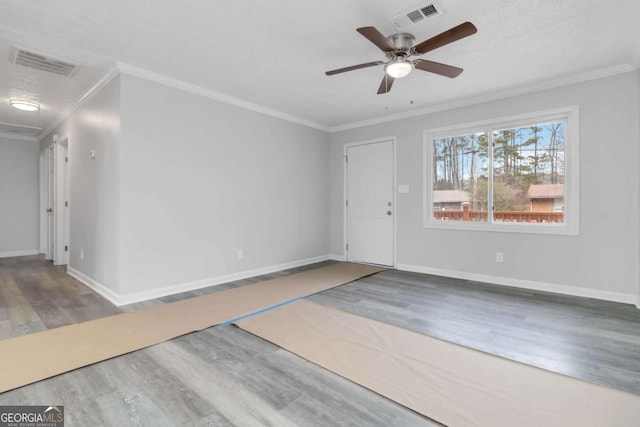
{"x": 549, "y": 229}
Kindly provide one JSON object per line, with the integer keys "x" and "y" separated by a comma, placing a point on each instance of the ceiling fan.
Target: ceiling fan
{"x": 399, "y": 48}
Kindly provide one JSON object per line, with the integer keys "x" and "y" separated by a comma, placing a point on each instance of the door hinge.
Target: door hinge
{"x": 66, "y": 248}
{"x": 347, "y": 246}
{"x": 346, "y": 159}
{"x": 346, "y": 203}
{"x": 66, "y": 204}
{"x": 66, "y": 160}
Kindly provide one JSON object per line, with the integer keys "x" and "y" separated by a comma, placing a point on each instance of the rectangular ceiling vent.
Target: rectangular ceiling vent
{"x": 19, "y": 129}
{"x": 43, "y": 62}
{"x": 417, "y": 14}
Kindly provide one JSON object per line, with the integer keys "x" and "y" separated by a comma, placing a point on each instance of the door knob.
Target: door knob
{"x": 388, "y": 212}
{"x": 49, "y": 210}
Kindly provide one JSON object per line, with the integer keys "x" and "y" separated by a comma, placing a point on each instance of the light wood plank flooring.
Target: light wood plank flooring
{"x": 221, "y": 376}
{"x": 225, "y": 376}
{"x": 593, "y": 340}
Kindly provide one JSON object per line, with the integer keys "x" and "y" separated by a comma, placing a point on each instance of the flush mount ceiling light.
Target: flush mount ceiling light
{"x": 398, "y": 68}
{"x": 24, "y": 105}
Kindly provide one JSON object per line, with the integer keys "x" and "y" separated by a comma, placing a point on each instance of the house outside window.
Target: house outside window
{"x": 546, "y": 197}
{"x": 450, "y": 199}
{"x": 517, "y": 174}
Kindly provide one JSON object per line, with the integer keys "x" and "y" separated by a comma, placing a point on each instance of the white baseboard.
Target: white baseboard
{"x": 96, "y": 286}
{"x": 527, "y": 284}
{"x": 336, "y": 257}
{"x": 19, "y": 253}
{"x": 125, "y": 299}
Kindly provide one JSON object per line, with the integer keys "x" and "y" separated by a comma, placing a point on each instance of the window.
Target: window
{"x": 516, "y": 174}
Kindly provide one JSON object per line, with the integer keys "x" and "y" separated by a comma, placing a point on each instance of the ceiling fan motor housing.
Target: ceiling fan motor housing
{"x": 403, "y": 42}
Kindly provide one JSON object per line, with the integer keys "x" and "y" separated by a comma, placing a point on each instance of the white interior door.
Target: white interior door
{"x": 66, "y": 207}
{"x": 369, "y": 205}
{"x": 61, "y": 204}
{"x": 50, "y": 208}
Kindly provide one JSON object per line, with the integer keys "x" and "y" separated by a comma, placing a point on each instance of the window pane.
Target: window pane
{"x": 528, "y": 174}
{"x": 460, "y": 178}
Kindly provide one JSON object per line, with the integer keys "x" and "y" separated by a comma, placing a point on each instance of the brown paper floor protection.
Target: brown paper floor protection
{"x": 447, "y": 382}
{"x": 34, "y": 357}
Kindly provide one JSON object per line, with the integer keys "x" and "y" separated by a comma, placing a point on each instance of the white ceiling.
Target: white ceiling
{"x": 274, "y": 53}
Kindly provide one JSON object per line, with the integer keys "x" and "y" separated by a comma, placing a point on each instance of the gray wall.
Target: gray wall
{"x": 181, "y": 182}
{"x": 604, "y": 257}
{"x": 94, "y": 185}
{"x": 19, "y": 197}
{"x": 201, "y": 179}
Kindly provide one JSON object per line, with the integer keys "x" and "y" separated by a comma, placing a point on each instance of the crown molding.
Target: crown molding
{"x": 212, "y": 94}
{"x": 67, "y": 112}
{"x": 17, "y": 137}
{"x": 515, "y": 91}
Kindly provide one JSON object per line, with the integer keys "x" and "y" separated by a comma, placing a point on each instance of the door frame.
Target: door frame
{"x": 345, "y": 191}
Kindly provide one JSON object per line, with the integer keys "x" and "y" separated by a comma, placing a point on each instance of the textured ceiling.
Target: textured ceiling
{"x": 274, "y": 53}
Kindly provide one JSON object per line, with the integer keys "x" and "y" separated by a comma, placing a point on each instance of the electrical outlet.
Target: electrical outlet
{"x": 240, "y": 254}
{"x": 81, "y": 253}
{"x": 499, "y": 257}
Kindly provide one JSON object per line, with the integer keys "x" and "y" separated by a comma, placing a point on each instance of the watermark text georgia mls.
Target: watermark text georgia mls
{"x": 32, "y": 416}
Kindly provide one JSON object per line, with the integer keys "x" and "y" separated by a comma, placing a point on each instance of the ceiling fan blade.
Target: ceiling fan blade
{"x": 376, "y": 37}
{"x": 437, "y": 68}
{"x": 353, "y": 67}
{"x": 449, "y": 36}
{"x": 385, "y": 85}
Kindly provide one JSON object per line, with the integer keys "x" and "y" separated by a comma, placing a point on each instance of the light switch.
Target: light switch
{"x": 403, "y": 188}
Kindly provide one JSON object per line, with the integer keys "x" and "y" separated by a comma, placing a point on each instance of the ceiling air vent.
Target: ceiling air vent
{"x": 45, "y": 63}
{"x": 417, "y": 14}
{"x": 429, "y": 10}
{"x": 19, "y": 129}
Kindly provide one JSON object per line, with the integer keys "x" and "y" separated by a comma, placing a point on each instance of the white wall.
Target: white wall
{"x": 201, "y": 179}
{"x": 602, "y": 260}
{"x": 19, "y": 197}
{"x": 94, "y": 185}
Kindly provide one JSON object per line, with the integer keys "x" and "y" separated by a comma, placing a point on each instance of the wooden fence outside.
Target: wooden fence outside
{"x": 506, "y": 216}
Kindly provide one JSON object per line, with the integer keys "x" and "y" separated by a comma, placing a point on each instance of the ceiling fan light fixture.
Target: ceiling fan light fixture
{"x": 399, "y": 47}
{"x": 398, "y": 68}
{"x": 24, "y": 105}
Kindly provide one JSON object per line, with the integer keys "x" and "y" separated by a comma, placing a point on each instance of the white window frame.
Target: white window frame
{"x": 570, "y": 226}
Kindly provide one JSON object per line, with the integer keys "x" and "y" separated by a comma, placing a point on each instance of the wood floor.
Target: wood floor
{"x": 593, "y": 340}
{"x": 223, "y": 376}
